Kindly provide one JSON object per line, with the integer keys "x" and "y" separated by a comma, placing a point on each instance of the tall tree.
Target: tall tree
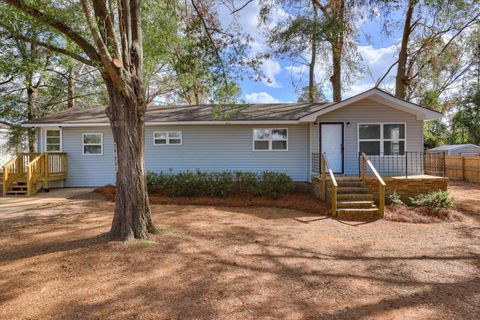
{"x": 112, "y": 42}
{"x": 316, "y": 29}
{"x": 431, "y": 31}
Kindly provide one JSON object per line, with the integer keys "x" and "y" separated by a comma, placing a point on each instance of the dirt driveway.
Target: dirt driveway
{"x": 233, "y": 263}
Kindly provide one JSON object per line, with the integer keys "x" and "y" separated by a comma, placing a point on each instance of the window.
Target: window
{"x": 167, "y": 137}
{"x": 92, "y": 143}
{"x": 270, "y": 139}
{"x": 382, "y": 139}
{"x": 53, "y": 140}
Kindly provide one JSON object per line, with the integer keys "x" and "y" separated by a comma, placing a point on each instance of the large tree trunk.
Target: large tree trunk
{"x": 401, "y": 81}
{"x": 338, "y": 11}
{"x": 336, "y": 77}
{"x": 71, "y": 88}
{"x": 32, "y": 93}
{"x": 311, "y": 78}
{"x": 132, "y": 218}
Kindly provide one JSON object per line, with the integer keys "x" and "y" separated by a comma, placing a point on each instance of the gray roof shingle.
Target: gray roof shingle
{"x": 240, "y": 112}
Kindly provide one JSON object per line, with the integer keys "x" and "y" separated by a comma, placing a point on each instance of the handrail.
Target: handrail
{"x": 381, "y": 183}
{"x": 325, "y": 168}
{"x": 36, "y": 170}
{"x": 7, "y": 169}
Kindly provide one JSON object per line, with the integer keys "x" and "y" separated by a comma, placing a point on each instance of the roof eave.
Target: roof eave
{"x": 382, "y": 97}
{"x": 164, "y": 123}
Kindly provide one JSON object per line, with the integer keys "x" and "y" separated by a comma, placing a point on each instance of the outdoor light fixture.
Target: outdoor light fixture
{"x": 348, "y": 123}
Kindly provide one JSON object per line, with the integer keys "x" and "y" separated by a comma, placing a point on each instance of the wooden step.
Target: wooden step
{"x": 354, "y": 197}
{"x": 352, "y": 190}
{"x": 16, "y": 193}
{"x": 358, "y": 214}
{"x": 342, "y": 184}
{"x": 355, "y": 204}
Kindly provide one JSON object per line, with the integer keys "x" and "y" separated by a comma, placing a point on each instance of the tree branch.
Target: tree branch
{"x": 217, "y": 53}
{"x": 242, "y": 7}
{"x": 379, "y": 81}
{"x": 20, "y": 36}
{"x": 83, "y": 43}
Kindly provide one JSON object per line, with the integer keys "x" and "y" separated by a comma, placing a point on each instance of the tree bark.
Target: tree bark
{"x": 336, "y": 78}
{"x": 32, "y": 93}
{"x": 71, "y": 88}
{"x": 132, "y": 217}
{"x": 338, "y": 13}
{"x": 311, "y": 78}
{"x": 401, "y": 81}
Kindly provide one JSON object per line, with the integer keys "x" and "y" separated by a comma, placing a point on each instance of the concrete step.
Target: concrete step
{"x": 355, "y": 204}
{"x": 358, "y": 214}
{"x": 354, "y": 197}
{"x": 352, "y": 190}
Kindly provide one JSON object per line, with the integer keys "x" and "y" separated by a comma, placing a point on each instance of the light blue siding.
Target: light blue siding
{"x": 88, "y": 170}
{"x": 369, "y": 111}
{"x": 206, "y": 148}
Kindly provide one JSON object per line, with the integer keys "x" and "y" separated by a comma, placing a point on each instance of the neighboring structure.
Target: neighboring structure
{"x": 457, "y": 150}
{"x": 256, "y": 137}
{"x": 5, "y": 154}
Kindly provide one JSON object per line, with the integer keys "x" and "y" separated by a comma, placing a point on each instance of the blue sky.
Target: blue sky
{"x": 377, "y": 51}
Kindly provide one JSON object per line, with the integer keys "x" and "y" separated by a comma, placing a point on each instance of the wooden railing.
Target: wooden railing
{"x": 326, "y": 168}
{"x": 381, "y": 184}
{"x": 10, "y": 172}
{"x": 35, "y": 173}
{"x": 36, "y": 169}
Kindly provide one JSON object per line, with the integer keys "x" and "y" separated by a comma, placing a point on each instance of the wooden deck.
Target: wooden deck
{"x": 27, "y": 173}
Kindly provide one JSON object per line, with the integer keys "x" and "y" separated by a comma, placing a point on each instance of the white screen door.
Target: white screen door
{"x": 332, "y": 144}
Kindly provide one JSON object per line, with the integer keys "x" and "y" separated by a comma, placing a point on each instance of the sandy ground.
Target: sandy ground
{"x": 467, "y": 194}
{"x": 234, "y": 263}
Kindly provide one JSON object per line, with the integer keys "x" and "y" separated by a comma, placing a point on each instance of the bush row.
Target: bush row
{"x": 220, "y": 184}
{"x": 434, "y": 201}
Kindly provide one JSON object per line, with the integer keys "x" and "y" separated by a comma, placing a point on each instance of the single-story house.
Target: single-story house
{"x": 457, "y": 150}
{"x": 249, "y": 137}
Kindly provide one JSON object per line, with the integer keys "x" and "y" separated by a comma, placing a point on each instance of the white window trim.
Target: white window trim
{"x": 167, "y": 142}
{"x": 44, "y": 130}
{"x": 92, "y": 144}
{"x": 381, "y": 138}
{"x": 269, "y": 141}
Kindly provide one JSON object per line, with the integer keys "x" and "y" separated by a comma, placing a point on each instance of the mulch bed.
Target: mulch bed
{"x": 300, "y": 200}
{"x": 400, "y": 213}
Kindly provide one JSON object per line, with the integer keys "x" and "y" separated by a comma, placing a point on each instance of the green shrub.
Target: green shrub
{"x": 395, "y": 199}
{"x": 434, "y": 201}
{"x": 247, "y": 183}
{"x": 220, "y": 184}
{"x": 274, "y": 184}
{"x": 189, "y": 184}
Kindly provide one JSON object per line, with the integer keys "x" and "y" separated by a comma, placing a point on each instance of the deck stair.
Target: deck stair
{"x": 27, "y": 173}
{"x": 349, "y": 197}
{"x": 353, "y": 199}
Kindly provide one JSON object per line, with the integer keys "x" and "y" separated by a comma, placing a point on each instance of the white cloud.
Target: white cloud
{"x": 260, "y": 97}
{"x": 271, "y": 68}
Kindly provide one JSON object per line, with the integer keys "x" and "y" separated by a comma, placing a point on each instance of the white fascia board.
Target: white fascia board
{"x": 165, "y": 123}
{"x": 381, "y": 97}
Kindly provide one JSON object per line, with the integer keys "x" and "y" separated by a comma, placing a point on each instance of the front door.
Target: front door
{"x": 331, "y": 143}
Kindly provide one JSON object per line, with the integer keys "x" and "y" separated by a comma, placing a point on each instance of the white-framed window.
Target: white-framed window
{"x": 53, "y": 140}
{"x": 92, "y": 144}
{"x": 270, "y": 139}
{"x": 387, "y": 139}
{"x": 167, "y": 137}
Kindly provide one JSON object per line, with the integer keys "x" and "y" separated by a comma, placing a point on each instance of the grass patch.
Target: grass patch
{"x": 145, "y": 244}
